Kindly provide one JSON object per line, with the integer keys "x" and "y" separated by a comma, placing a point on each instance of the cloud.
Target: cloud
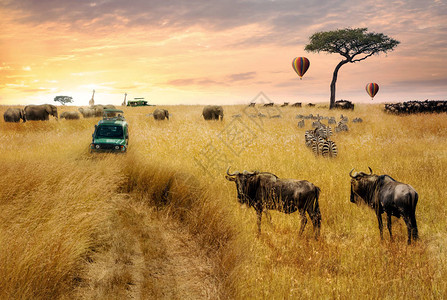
{"x": 427, "y": 83}
{"x": 242, "y": 76}
{"x": 38, "y": 90}
{"x": 203, "y": 81}
{"x": 285, "y": 22}
{"x": 214, "y": 44}
{"x": 181, "y": 82}
{"x": 194, "y": 81}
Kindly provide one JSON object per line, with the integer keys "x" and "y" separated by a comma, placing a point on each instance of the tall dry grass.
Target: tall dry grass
{"x": 60, "y": 212}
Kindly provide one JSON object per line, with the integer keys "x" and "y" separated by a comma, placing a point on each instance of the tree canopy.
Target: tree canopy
{"x": 353, "y": 44}
{"x": 63, "y": 99}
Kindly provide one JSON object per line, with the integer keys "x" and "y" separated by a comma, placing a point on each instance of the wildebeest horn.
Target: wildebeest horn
{"x": 350, "y": 173}
{"x": 228, "y": 170}
{"x": 249, "y": 173}
{"x": 371, "y": 171}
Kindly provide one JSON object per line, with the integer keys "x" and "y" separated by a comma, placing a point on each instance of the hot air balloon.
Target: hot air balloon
{"x": 372, "y": 89}
{"x": 300, "y": 65}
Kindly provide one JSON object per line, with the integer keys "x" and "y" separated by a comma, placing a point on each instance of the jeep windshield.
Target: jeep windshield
{"x": 109, "y": 131}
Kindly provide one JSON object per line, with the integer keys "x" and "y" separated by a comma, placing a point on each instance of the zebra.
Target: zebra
{"x": 329, "y": 149}
{"x": 316, "y": 124}
{"x": 341, "y": 127}
{"x": 323, "y": 131}
{"x": 317, "y": 145}
{"x": 301, "y": 124}
{"x": 308, "y": 136}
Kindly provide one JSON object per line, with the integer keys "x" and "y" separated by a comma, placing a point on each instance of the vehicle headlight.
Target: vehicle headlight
{"x": 97, "y": 146}
{"x": 117, "y": 147}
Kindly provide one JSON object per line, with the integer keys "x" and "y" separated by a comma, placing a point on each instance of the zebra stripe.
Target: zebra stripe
{"x": 323, "y": 131}
{"x": 329, "y": 149}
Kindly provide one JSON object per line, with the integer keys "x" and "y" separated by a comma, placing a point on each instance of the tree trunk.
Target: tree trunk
{"x": 334, "y": 80}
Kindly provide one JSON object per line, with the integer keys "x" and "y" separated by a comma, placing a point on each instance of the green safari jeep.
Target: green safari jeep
{"x": 111, "y": 133}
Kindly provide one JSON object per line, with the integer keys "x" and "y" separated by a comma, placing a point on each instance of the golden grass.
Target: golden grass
{"x": 85, "y": 226}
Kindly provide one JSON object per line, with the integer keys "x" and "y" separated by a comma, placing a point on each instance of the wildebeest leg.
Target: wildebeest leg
{"x": 409, "y": 228}
{"x": 316, "y": 223}
{"x": 414, "y": 227}
{"x": 268, "y": 216}
{"x": 379, "y": 218}
{"x": 259, "y": 217}
{"x": 303, "y": 221}
{"x": 388, "y": 224}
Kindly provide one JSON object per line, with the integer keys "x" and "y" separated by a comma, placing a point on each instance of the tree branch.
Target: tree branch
{"x": 363, "y": 58}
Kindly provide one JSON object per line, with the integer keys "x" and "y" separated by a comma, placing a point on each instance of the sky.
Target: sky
{"x": 214, "y": 52}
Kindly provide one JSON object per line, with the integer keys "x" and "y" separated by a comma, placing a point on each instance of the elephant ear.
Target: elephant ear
{"x": 48, "y": 109}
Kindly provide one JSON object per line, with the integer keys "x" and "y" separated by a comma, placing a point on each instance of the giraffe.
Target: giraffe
{"x": 92, "y": 101}
{"x": 124, "y": 102}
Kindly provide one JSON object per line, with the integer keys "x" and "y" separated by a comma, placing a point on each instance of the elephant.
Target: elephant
{"x": 110, "y": 106}
{"x": 14, "y": 115}
{"x": 40, "y": 112}
{"x": 87, "y": 112}
{"x": 70, "y": 115}
{"x": 212, "y": 112}
{"x": 98, "y": 109}
{"x": 161, "y": 114}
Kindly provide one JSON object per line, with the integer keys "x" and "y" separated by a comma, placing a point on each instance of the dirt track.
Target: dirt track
{"x": 148, "y": 257}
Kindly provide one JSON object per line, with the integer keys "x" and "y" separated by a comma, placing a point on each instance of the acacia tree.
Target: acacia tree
{"x": 353, "y": 44}
{"x": 63, "y": 99}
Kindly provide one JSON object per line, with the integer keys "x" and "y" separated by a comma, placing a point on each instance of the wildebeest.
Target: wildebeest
{"x": 268, "y": 104}
{"x": 263, "y": 191}
{"x": 344, "y": 104}
{"x": 384, "y": 194}
{"x": 411, "y": 107}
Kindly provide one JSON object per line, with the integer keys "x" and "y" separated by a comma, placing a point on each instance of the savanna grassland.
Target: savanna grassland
{"x": 162, "y": 222}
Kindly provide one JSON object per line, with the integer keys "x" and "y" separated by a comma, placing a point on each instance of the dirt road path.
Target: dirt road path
{"x": 148, "y": 256}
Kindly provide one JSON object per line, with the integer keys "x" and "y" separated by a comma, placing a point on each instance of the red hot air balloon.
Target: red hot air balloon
{"x": 300, "y": 65}
{"x": 372, "y": 89}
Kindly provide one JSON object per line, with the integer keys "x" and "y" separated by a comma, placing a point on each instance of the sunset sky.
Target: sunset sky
{"x": 225, "y": 52}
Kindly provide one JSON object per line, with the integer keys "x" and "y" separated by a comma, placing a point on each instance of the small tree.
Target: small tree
{"x": 63, "y": 99}
{"x": 353, "y": 44}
